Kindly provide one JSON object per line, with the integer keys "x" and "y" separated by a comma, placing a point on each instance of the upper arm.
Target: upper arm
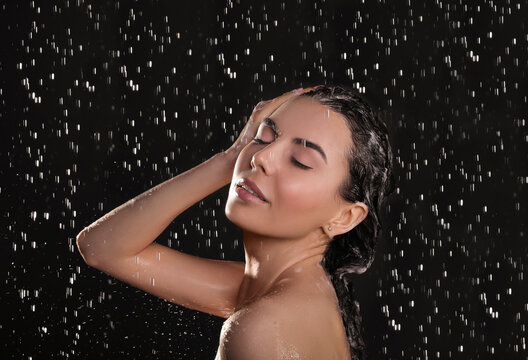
{"x": 206, "y": 285}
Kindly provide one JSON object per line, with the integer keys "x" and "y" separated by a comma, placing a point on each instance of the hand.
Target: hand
{"x": 260, "y": 112}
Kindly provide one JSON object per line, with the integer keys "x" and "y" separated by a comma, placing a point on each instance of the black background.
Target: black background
{"x": 101, "y": 100}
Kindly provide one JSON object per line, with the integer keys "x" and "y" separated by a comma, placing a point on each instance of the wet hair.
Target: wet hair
{"x": 370, "y": 180}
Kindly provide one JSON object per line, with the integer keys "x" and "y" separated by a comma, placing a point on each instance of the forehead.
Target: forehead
{"x": 307, "y": 118}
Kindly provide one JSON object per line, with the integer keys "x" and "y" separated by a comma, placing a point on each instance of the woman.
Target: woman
{"x": 308, "y": 174}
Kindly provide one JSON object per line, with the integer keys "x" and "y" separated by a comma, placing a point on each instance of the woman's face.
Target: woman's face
{"x": 299, "y": 200}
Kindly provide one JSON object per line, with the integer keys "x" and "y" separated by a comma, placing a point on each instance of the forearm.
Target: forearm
{"x": 131, "y": 227}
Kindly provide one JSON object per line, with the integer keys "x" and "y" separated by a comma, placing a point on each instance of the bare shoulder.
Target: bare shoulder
{"x": 293, "y": 324}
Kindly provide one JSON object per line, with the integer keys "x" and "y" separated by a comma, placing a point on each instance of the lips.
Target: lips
{"x": 245, "y": 182}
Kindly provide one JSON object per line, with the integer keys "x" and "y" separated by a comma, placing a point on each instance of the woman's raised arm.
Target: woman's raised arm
{"x": 121, "y": 243}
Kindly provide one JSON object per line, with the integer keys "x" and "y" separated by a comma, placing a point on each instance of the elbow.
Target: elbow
{"x": 83, "y": 245}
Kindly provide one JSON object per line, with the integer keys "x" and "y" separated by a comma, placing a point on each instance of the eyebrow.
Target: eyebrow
{"x": 267, "y": 121}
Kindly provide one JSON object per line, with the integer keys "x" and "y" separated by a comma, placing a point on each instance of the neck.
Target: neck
{"x": 269, "y": 260}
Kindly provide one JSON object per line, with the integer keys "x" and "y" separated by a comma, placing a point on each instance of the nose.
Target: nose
{"x": 265, "y": 159}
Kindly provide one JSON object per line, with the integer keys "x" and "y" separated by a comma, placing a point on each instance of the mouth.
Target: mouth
{"x": 251, "y": 188}
{"x": 251, "y": 191}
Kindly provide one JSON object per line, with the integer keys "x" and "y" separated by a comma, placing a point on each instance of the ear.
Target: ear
{"x": 350, "y": 216}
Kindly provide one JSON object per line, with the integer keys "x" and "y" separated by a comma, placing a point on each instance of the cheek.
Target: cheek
{"x": 304, "y": 196}
{"x": 303, "y": 205}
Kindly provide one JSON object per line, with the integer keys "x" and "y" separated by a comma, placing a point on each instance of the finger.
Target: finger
{"x": 305, "y": 90}
{"x": 271, "y": 105}
{"x": 261, "y": 104}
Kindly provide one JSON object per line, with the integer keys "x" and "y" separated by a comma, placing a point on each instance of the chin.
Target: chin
{"x": 231, "y": 210}
{"x": 228, "y": 212}
{"x": 241, "y": 216}
{"x": 237, "y": 213}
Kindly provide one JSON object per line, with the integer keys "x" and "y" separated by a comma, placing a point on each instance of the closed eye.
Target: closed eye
{"x": 259, "y": 141}
{"x": 299, "y": 164}
{"x": 293, "y": 160}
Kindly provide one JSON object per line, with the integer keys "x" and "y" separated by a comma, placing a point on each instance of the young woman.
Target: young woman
{"x": 308, "y": 175}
